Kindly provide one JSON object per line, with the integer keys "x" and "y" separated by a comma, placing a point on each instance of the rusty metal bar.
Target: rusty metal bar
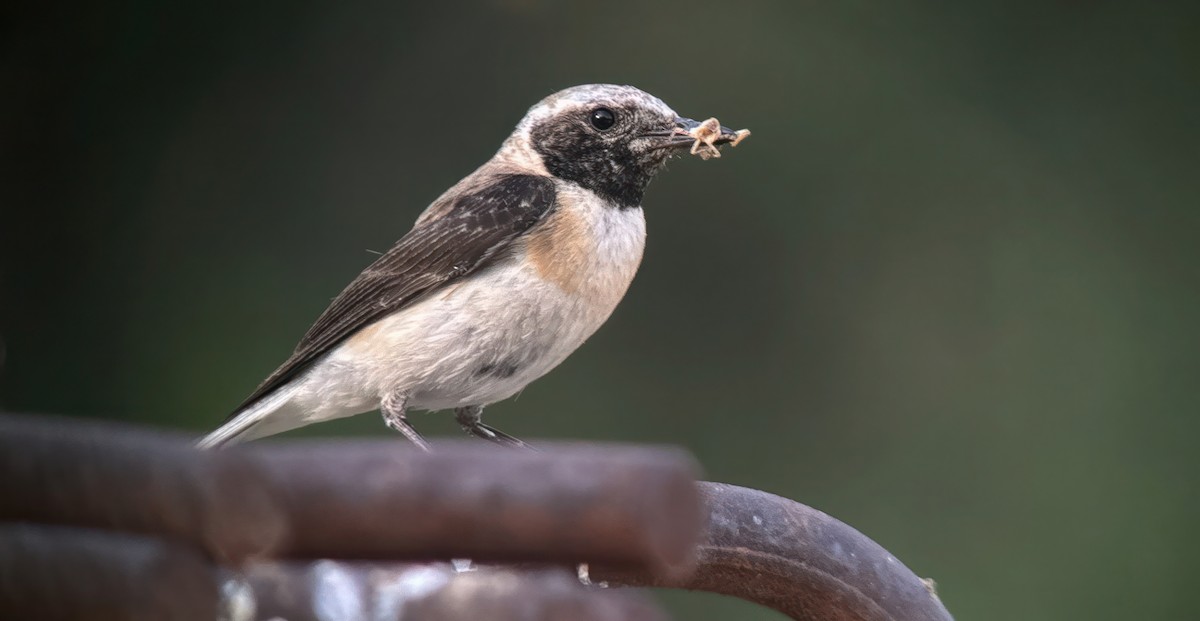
{"x": 80, "y": 473}
{"x": 633, "y": 513}
{"x": 797, "y": 560}
{"x": 365, "y": 499}
{"x": 330, "y": 590}
{"x": 625, "y": 505}
{"x": 52, "y": 573}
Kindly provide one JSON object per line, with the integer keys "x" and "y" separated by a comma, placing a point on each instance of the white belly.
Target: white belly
{"x": 484, "y": 338}
{"x": 474, "y": 344}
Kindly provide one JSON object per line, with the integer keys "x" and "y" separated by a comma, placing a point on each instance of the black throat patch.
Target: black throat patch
{"x": 606, "y": 167}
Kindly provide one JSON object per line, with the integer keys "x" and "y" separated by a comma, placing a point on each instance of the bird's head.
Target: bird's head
{"x": 607, "y": 138}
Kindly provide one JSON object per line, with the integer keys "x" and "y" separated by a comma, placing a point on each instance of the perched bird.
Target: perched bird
{"x": 499, "y": 280}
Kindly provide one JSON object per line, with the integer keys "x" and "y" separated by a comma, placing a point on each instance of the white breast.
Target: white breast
{"x": 484, "y": 338}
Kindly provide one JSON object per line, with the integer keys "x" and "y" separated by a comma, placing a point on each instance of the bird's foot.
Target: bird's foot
{"x": 469, "y": 419}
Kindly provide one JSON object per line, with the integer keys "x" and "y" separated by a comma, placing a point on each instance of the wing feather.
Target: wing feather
{"x": 470, "y": 230}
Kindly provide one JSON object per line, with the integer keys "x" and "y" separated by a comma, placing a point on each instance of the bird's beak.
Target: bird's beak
{"x": 686, "y": 132}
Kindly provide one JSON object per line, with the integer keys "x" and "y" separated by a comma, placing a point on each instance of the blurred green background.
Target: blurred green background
{"x": 947, "y": 292}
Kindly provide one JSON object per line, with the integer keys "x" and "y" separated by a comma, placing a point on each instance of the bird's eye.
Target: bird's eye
{"x": 603, "y": 118}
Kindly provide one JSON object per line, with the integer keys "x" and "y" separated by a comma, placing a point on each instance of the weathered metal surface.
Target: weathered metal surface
{"x": 627, "y": 505}
{"x": 782, "y": 554}
{"x": 381, "y": 499}
{"x": 80, "y": 473}
{"x": 337, "y": 591}
{"x": 51, "y": 573}
{"x": 136, "y": 525}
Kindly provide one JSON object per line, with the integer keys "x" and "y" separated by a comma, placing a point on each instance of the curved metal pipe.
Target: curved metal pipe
{"x": 790, "y": 557}
{"x": 636, "y": 509}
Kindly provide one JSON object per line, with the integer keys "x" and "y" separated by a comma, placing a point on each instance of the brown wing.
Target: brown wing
{"x": 472, "y": 229}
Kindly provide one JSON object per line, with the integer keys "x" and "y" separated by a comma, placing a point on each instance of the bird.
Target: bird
{"x": 499, "y": 280}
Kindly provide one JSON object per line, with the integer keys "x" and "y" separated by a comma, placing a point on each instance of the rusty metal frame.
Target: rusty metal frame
{"x": 99, "y": 521}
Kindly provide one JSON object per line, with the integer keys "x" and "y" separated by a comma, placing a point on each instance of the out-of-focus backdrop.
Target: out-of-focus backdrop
{"x": 948, "y": 292}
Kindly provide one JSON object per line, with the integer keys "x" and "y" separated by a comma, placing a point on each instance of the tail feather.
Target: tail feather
{"x": 264, "y": 417}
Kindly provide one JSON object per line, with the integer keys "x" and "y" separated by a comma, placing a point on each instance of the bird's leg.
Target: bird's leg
{"x": 470, "y": 419}
{"x": 392, "y": 408}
